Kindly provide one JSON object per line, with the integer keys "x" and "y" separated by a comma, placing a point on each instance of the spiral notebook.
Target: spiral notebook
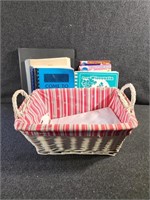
{"x": 63, "y": 62}
{"x": 40, "y": 53}
{"x": 45, "y": 78}
{"x": 85, "y": 79}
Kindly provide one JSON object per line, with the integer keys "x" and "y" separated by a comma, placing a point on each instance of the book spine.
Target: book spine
{"x": 95, "y": 68}
{"x": 76, "y": 79}
{"x": 32, "y": 78}
{"x": 36, "y": 78}
{"x": 95, "y": 62}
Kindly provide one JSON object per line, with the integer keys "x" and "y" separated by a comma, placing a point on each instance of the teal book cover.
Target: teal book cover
{"x": 85, "y": 79}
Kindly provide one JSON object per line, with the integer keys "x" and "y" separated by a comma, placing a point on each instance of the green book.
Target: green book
{"x": 86, "y": 79}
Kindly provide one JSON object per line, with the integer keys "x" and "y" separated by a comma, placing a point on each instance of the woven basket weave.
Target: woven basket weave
{"x": 60, "y": 139}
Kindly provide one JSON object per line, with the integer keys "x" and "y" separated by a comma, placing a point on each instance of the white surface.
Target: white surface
{"x": 100, "y": 116}
{"x": 45, "y": 119}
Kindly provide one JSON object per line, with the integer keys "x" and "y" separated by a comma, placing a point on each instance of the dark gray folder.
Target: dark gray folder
{"x": 34, "y": 53}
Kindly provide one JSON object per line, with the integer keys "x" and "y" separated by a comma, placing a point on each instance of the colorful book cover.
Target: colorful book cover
{"x": 95, "y": 68}
{"x": 95, "y": 62}
{"x": 85, "y": 79}
{"x": 54, "y": 78}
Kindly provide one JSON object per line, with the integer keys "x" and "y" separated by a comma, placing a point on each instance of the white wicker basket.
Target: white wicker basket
{"x": 61, "y": 139}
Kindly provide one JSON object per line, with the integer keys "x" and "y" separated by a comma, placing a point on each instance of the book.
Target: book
{"x": 32, "y": 76}
{"x": 95, "y": 67}
{"x": 61, "y": 61}
{"x": 36, "y": 53}
{"x": 50, "y": 77}
{"x": 85, "y": 79}
{"x": 94, "y": 62}
{"x": 43, "y": 63}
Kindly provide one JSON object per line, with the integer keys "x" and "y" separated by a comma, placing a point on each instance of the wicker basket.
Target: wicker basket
{"x": 61, "y": 139}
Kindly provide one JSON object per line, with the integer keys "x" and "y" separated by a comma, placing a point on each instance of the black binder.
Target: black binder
{"x": 35, "y": 53}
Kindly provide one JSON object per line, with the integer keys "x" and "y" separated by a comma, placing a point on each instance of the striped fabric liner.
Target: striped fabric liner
{"x": 64, "y": 102}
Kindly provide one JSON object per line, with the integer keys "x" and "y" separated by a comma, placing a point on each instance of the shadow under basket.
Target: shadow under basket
{"x": 84, "y": 138}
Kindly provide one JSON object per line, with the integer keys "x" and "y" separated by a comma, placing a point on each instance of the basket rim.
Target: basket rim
{"x": 20, "y": 125}
{"x": 78, "y": 127}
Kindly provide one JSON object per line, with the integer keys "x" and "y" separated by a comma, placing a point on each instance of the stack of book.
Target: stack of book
{"x": 95, "y": 65}
{"x": 57, "y": 73}
{"x": 49, "y": 73}
{"x": 96, "y": 73}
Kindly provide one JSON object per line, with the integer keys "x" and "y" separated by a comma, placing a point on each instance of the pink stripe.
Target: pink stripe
{"x": 57, "y": 103}
{"x": 49, "y": 102}
{"x": 75, "y": 101}
{"x": 92, "y": 98}
{"x": 98, "y": 98}
{"x": 69, "y": 102}
{"x": 85, "y": 100}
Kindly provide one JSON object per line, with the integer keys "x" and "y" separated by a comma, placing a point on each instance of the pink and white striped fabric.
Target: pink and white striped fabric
{"x": 65, "y": 102}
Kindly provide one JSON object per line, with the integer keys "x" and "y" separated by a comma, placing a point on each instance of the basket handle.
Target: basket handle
{"x": 14, "y": 102}
{"x": 129, "y": 106}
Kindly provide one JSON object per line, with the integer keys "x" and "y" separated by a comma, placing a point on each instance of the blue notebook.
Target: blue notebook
{"x": 85, "y": 79}
{"x": 53, "y": 78}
